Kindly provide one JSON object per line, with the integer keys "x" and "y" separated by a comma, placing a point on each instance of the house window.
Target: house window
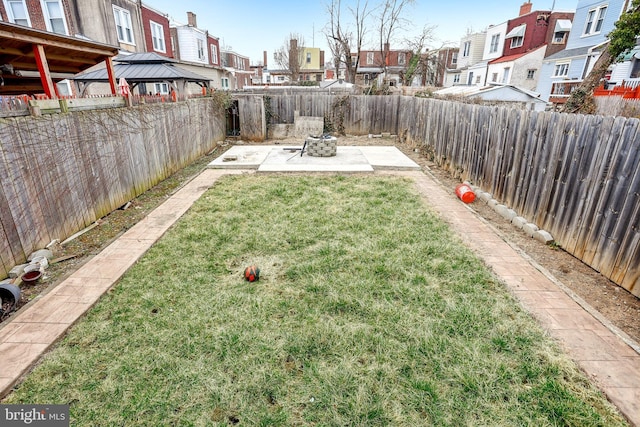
{"x": 456, "y": 78}
{"x": 157, "y": 37}
{"x": 516, "y": 42}
{"x": 495, "y": 42}
{"x": 505, "y": 76}
{"x": 402, "y": 58}
{"x": 478, "y": 80}
{"x": 595, "y": 17}
{"x": 123, "y": 25}
{"x": 530, "y": 74}
{"x": 466, "y": 49}
{"x": 64, "y": 88}
{"x": 54, "y": 16}
{"x": 161, "y": 88}
{"x": 367, "y": 79}
{"x": 225, "y": 83}
{"x": 494, "y": 77}
{"x": 214, "y": 54}
{"x": 454, "y": 58}
{"x": 559, "y": 36}
{"x": 369, "y": 58}
{"x": 201, "y": 50}
{"x": 17, "y": 12}
{"x": 308, "y": 57}
{"x": 561, "y": 69}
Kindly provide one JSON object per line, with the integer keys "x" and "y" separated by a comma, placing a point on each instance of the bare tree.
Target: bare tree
{"x": 419, "y": 63}
{"x": 343, "y": 42}
{"x": 390, "y": 20}
{"x": 289, "y": 56}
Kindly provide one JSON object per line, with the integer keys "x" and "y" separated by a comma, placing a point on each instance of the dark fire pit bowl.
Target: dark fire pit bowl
{"x": 9, "y": 294}
{"x": 31, "y": 277}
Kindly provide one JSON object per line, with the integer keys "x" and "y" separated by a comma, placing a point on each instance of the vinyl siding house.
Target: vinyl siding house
{"x": 493, "y": 47}
{"x": 470, "y": 53}
{"x": 563, "y": 71}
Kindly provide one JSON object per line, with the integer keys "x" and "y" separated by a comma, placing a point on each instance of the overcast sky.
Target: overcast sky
{"x": 250, "y": 27}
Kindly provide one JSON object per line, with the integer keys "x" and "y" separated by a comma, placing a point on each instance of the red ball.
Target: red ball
{"x": 252, "y": 273}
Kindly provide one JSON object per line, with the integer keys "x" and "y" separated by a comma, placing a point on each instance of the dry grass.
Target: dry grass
{"x": 368, "y": 312}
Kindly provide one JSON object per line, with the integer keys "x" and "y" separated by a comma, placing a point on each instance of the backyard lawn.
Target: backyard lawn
{"x": 368, "y": 311}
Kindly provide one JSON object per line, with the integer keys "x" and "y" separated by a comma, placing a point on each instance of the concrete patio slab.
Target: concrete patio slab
{"x": 347, "y": 159}
{"x": 287, "y": 158}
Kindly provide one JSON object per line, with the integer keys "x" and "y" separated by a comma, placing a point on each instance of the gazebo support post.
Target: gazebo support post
{"x": 43, "y": 69}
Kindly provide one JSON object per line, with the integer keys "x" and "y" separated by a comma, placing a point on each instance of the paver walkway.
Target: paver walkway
{"x": 600, "y": 352}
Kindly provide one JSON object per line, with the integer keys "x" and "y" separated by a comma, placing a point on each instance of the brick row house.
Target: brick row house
{"x": 133, "y": 26}
{"x": 512, "y": 52}
{"x": 386, "y": 67}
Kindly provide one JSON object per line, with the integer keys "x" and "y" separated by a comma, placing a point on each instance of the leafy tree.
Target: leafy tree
{"x": 621, "y": 38}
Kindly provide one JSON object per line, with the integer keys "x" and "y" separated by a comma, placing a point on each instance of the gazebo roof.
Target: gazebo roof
{"x": 142, "y": 68}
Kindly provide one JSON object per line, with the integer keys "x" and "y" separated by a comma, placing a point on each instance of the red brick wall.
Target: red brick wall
{"x": 535, "y": 33}
{"x": 36, "y": 15}
{"x": 392, "y": 58}
{"x": 150, "y": 15}
{"x": 556, "y": 47}
{"x": 213, "y": 41}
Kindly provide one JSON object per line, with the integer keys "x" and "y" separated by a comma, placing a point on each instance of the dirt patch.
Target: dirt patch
{"x": 617, "y": 305}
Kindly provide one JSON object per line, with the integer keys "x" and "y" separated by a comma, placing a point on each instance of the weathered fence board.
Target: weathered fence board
{"x": 577, "y": 176}
{"x": 60, "y": 173}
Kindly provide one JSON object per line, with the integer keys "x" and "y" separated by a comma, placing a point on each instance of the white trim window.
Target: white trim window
{"x": 516, "y": 42}
{"x": 224, "y": 82}
{"x": 561, "y": 69}
{"x": 595, "y": 18}
{"x": 161, "y": 88}
{"x": 506, "y": 74}
{"x": 157, "y": 37}
{"x": 466, "y": 49}
{"x": 456, "y": 78}
{"x": 17, "y": 12}
{"x": 495, "y": 42}
{"x": 214, "y": 54}
{"x": 124, "y": 27}
{"x": 369, "y": 58}
{"x": 402, "y": 58}
{"x": 54, "y": 19}
{"x": 559, "y": 37}
{"x": 200, "y": 48}
{"x": 531, "y": 73}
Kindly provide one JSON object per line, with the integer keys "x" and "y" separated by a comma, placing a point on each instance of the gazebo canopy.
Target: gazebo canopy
{"x": 147, "y": 67}
{"x": 31, "y": 60}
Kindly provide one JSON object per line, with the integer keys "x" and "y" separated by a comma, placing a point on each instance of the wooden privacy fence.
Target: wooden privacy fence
{"x": 61, "y": 172}
{"x": 576, "y": 176}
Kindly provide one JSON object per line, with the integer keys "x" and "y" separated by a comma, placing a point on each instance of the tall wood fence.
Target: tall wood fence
{"x": 576, "y": 176}
{"x": 59, "y": 173}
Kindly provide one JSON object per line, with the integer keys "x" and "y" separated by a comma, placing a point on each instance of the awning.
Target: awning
{"x": 563, "y": 26}
{"x": 517, "y": 32}
{"x": 629, "y": 54}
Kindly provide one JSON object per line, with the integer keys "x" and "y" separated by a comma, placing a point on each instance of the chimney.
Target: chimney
{"x": 191, "y": 19}
{"x": 525, "y": 8}
{"x": 264, "y": 59}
